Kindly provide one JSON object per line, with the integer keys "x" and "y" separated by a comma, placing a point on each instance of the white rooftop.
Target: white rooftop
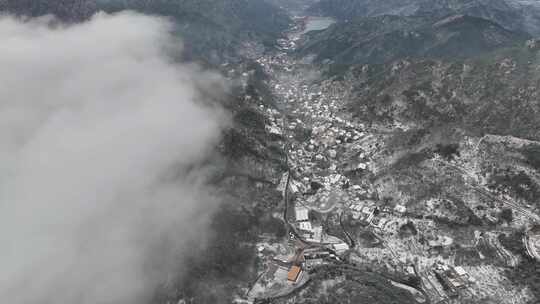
{"x": 460, "y": 271}
{"x": 306, "y": 226}
{"x": 341, "y": 247}
{"x": 301, "y": 213}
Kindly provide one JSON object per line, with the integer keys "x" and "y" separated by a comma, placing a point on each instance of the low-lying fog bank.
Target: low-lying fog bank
{"x": 99, "y": 131}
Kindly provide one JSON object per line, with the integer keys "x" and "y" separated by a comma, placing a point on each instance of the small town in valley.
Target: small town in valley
{"x": 338, "y": 216}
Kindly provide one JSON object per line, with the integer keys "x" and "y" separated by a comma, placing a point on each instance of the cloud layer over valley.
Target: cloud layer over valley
{"x": 100, "y": 129}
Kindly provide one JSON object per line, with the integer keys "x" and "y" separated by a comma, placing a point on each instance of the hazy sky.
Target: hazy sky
{"x": 97, "y": 124}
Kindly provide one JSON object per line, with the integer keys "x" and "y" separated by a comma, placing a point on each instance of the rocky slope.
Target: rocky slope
{"x": 493, "y": 94}
{"x": 251, "y": 167}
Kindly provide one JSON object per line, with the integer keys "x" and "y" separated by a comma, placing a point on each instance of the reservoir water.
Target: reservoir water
{"x": 318, "y": 23}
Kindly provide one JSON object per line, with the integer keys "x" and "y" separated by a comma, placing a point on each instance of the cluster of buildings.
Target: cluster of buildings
{"x": 314, "y": 233}
{"x": 307, "y": 259}
{"x": 452, "y": 278}
{"x": 310, "y": 232}
{"x": 363, "y": 211}
{"x": 441, "y": 282}
{"x": 314, "y": 183}
{"x": 285, "y": 272}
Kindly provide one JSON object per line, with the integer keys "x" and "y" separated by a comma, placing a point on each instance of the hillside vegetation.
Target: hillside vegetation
{"x": 387, "y": 38}
{"x": 511, "y": 14}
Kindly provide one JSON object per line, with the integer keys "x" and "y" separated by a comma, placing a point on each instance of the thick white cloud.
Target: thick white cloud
{"x": 99, "y": 132}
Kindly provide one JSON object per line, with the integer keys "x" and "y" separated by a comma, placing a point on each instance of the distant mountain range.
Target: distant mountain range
{"x": 67, "y": 10}
{"x": 512, "y": 14}
{"x": 214, "y": 29}
{"x": 386, "y": 38}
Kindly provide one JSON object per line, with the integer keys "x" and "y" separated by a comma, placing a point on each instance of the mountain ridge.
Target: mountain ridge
{"x": 212, "y": 29}
{"x": 513, "y": 15}
{"x": 386, "y": 38}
